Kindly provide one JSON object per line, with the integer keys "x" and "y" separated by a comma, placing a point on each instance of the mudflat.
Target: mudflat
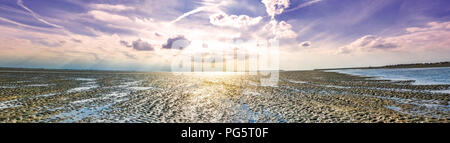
{"x": 301, "y": 96}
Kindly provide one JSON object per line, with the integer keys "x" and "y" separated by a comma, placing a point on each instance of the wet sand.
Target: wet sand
{"x": 301, "y": 96}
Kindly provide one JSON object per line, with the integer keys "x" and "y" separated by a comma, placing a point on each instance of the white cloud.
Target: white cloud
{"x": 367, "y": 43}
{"x": 430, "y": 26}
{"x": 281, "y": 30}
{"x": 432, "y": 37}
{"x": 224, "y": 20}
{"x": 106, "y": 48}
{"x": 118, "y": 7}
{"x": 105, "y": 16}
{"x": 99, "y": 52}
{"x": 122, "y": 22}
{"x": 275, "y": 7}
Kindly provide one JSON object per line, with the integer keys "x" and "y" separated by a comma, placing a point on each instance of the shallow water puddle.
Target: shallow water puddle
{"x": 374, "y": 88}
{"x": 9, "y": 86}
{"x": 140, "y": 88}
{"x": 39, "y": 85}
{"x": 431, "y": 107}
{"x": 85, "y": 79}
{"x": 10, "y": 104}
{"x": 47, "y": 95}
{"x": 80, "y": 89}
{"x": 80, "y": 114}
{"x": 257, "y": 116}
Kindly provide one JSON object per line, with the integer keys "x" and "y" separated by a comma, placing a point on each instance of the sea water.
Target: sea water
{"x": 421, "y": 76}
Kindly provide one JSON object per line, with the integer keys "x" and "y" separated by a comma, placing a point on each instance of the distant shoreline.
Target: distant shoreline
{"x": 69, "y": 70}
{"x": 399, "y": 66}
{"x": 415, "y": 65}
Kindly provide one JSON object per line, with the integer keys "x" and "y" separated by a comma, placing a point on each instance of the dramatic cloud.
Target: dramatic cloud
{"x": 434, "y": 36}
{"x": 141, "y": 45}
{"x": 111, "y": 7}
{"x": 114, "y": 34}
{"x": 367, "y": 43}
{"x": 178, "y": 42}
{"x": 125, "y": 43}
{"x": 275, "y": 7}
{"x": 224, "y": 20}
{"x": 305, "y": 44}
{"x": 281, "y": 30}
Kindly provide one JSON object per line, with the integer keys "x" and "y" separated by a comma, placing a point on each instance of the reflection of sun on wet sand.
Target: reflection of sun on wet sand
{"x": 301, "y": 96}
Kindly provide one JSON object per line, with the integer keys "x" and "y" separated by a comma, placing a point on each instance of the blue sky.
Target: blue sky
{"x": 130, "y": 35}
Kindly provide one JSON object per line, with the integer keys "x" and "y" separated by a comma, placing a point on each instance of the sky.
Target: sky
{"x": 138, "y": 34}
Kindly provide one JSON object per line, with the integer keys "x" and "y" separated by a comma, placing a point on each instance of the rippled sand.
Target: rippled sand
{"x": 302, "y": 96}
